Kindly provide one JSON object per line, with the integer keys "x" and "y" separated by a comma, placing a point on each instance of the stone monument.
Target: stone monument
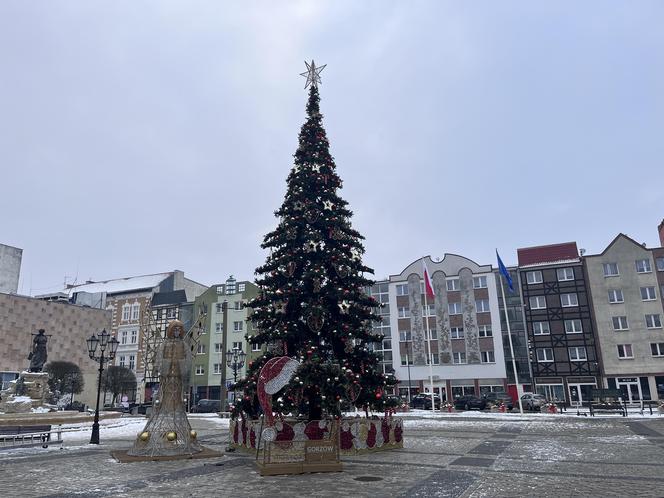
{"x": 30, "y": 390}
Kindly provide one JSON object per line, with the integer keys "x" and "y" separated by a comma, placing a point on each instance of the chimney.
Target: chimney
{"x": 661, "y": 233}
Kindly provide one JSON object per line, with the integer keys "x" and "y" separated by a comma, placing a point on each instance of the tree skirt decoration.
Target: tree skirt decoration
{"x": 356, "y": 435}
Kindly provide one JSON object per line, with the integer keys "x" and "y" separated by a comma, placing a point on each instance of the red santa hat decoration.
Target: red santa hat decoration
{"x": 274, "y": 376}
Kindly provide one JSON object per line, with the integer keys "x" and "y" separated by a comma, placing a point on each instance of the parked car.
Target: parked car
{"x": 496, "y": 398}
{"x": 532, "y": 401}
{"x": 469, "y": 402}
{"x": 207, "y": 406}
{"x": 423, "y": 401}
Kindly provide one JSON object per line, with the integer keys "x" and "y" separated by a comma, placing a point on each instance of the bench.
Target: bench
{"x": 608, "y": 407}
{"x": 21, "y": 436}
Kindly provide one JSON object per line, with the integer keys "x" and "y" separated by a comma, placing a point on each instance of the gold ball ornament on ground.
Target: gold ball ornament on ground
{"x": 193, "y": 434}
{"x": 171, "y": 436}
{"x": 144, "y": 436}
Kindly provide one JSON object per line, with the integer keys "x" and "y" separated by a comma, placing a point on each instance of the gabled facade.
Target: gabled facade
{"x": 465, "y": 345}
{"x": 626, "y": 297}
{"x": 558, "y": 317}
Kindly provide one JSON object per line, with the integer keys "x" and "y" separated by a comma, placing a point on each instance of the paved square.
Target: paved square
{"x": 447, "y": 457}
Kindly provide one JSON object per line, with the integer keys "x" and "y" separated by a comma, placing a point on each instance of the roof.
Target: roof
{"x": 566, "y": 252}
{"x": 171, "y": 297}
{"x": 120, "y": 285}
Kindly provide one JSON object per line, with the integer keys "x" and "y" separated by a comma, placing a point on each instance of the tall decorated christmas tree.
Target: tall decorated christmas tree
{"x": 312, "y": 306}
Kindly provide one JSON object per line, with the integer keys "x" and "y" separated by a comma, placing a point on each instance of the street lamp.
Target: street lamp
{"x": 102, "y": 342}
{"x": 235, "y": 360}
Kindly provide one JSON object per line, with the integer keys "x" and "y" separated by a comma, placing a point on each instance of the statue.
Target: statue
{"x": 167, "y": 432}
{"x": 39, "y": 354}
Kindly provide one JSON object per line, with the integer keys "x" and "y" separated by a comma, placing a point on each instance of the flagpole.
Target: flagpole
{"x": 509, "y": 338}
{"x": 426, "y": 306}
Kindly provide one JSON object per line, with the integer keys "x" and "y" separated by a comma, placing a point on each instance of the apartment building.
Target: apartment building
{"x": 626, "y": 286}
{"x": 558, "y": 316}
{"x": 458, "y": 332}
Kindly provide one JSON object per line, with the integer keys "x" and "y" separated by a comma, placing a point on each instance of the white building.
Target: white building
{"x": 466, "y": 346}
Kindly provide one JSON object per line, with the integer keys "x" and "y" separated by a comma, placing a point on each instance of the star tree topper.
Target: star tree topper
{"x": 312, "y": 73}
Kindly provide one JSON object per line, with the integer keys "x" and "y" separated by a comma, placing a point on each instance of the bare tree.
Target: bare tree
{"x": 118, "y": 380}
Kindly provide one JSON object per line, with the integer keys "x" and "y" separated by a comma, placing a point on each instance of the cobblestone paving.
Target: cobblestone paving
{"x": 451, "y": 458}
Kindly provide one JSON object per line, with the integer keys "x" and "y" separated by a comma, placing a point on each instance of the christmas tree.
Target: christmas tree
{"x": 312, "y": 306}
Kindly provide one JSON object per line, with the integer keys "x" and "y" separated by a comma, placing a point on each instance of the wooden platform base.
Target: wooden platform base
{"x": 275, "y": 469}
{"x": 122, "y": 457}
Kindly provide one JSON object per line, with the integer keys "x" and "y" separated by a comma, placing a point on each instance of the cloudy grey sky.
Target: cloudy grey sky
{"x": 139, "y": 137}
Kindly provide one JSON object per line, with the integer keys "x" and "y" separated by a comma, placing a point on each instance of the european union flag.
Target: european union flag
{"x": 504, "y": 272}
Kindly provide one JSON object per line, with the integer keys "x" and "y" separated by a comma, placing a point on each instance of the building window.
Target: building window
{"x": 402, "y": 289}
{"x": 565, "y": 274}
{"x": 237, "y": 326}
{"x": 453, "y": 284}
{"x": 611, "y": 269}
{"x": 405, "y": 336}
{"x": 454, "y": 308}
{"x": 534, "y": 277}
{"x": 577, "y": 354}
{"x": 544, "y": 355}
{"x": 123, "y": 337}
{"x": 217, "y": 347}
{"x": 132, "y": 362}
{"x": 126, "y": 312}
{"x": 643, "y": 266}
{"x": 406, "y": 360}
{"x": 428, "y": 310}
{"x": 134, "y": 336}
{"x": 541, "y": 328}
{"x": 482, "y": 305}
{"x": 241, "y": 287}
{"x": 255, "y": 347}
{"x": 218, "y": 326}
{"x": 237, "y": 345}
{"x": 122, "y": 361}
{"x": 653, "y": 322}
{"x": 537, "y": 303}
{"x": 217, "y": 368}
{"x": 456, "y": 332}
{"x": 458, "y": 358}
{"x": 135, "y": 311}
{"x": 659, "y": 262}
{"x": 200, "y": 349}
{"x": 237, "y": 305}
{"x": 172, "y": 313}
{"x": 433, "y": 333}
{"x": 620, "y": 323}
{"x": 484, "y": 331}
{"x": 436, "y": 359}
{"x": 569, "y": 300}
{"x": 219, "y": 307}
{"x": 657, "y": 348}
{"x": 487, "y": 357}
{"x": 616, "y": 296}
{"x": 220, "y": 289}
{"x": 648, "y": 294}
{"x": 200, "y": 370}
{"x": 404, "y": 312}
{"x": 479, "y": 282}
{"x": 573, "y": 327}
{"x": 625, "y": 351}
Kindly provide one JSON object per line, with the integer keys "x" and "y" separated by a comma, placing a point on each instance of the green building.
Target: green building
{"x": 226, "y": 325}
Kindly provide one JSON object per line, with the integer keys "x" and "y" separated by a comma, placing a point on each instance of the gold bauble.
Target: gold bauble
{"x": 193, "y": 434}
{"x": 144, "y": 436}
{"x": 171, "y": 436}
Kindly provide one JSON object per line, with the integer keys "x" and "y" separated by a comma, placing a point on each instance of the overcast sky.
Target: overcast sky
{"x": 139, "y": 137}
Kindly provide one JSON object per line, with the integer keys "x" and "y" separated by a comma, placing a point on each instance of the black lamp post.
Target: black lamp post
{"x": 235, "y": 360}
{"x": 107, "y": 348}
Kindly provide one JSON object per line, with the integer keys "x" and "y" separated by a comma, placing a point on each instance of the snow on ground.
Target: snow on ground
{"x": 515, "y": 416}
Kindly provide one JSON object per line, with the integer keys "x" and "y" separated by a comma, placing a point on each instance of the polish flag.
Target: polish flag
{"x": 428, "y": 286}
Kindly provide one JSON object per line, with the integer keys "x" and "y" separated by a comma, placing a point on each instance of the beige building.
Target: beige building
{"x": 68, "y": 326}
{"x": 628, "y": 313}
